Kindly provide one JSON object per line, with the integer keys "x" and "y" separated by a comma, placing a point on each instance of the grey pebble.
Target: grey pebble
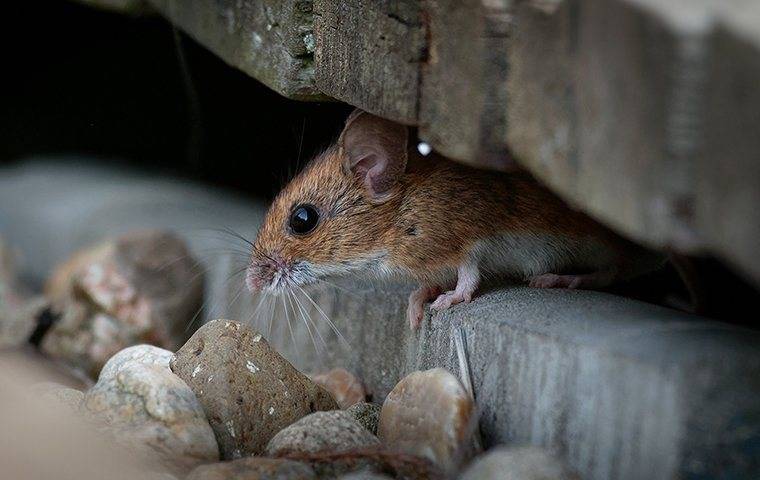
{"x": 334, "y": 431}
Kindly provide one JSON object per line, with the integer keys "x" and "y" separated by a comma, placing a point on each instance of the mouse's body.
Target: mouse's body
{"x": 371, "y": 204}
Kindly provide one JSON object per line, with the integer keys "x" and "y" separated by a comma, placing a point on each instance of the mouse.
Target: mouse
{"x": 371, "y": 203}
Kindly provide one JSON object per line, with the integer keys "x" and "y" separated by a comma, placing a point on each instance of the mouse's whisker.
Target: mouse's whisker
{"x": 290, "y": 327}
{"x": 272, "y": 308}
{"x": 262, "y": 296}
{"x": 289, "y": 296}
{"x": 306, "y": 318}
{"x": 327, "y": 319}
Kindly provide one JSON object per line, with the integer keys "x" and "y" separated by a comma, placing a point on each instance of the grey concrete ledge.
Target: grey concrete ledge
{"x": 619, "y": 388}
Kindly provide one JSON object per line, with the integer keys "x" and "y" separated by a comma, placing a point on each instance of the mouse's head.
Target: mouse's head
{"x": 335, "y": 216}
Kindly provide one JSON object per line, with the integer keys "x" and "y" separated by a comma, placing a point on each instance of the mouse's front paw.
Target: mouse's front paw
{"x": 452, "y": 297}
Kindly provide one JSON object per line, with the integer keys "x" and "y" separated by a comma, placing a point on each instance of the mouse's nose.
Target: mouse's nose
{"x": 252, "y": 280}
{"x": 262, "y": 272}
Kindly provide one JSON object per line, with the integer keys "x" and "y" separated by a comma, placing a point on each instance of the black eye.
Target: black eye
{"x": 303, "y": 219}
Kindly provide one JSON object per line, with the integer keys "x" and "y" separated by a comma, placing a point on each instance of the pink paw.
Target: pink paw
{"x": 551, "y": 280}
{"x": 450, "y": 298}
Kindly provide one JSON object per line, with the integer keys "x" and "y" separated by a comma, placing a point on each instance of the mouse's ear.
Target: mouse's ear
{"x": 374, "y": 150}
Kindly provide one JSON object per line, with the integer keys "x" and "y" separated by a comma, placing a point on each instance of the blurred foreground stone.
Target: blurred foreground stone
{"x": 41, "y": 439}
{"x": 142, "y": 287}
{"x": 145, "y": 406}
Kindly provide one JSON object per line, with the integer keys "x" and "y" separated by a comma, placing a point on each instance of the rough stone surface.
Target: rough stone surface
{"x": 334, "y": 431}
{"x": 254, "y": 468}
{"x": 366, "y": 415}
{"x": 431, "y": 415}
{"x": 140, "y": 287}
{"x": 144, "y": 405}
{"x": 248, "y": 391}
{"x": 344, "y": 386}
{"x": 517, "y": 463}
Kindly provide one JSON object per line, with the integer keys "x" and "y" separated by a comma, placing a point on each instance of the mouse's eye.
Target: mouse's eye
{"x": 303, "y": 219}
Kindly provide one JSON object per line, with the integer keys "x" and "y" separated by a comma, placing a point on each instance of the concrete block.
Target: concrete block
{"x": 618, "y": 388}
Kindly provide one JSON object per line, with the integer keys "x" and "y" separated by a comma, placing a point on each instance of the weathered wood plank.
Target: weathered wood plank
{"x": 463, "y": 95}
{"x": 641, "y": 113}
{"x": 271, "y": 41}
{"x": 368, "y": 54}
{"x": 728, "y": 176}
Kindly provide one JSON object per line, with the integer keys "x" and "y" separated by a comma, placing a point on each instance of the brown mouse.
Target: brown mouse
{"x": 370, "y": 203}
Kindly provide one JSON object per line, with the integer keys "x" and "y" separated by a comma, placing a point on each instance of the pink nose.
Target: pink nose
{"x": 252, "y": 280}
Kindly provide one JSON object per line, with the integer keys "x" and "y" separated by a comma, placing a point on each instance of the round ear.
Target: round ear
{"x": 374, "y": 150}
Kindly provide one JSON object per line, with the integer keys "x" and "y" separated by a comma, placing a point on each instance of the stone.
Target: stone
{"x": 366, "y": 415}
{"x": 254, "y": 468}
{"x": 248, "y": 391}
{"x": 137, "y": 354}
{"x": 142, "y": 287}
{"x": 429, "y": 414}
{"x": 376, "y": 460}
{"x": 145, "y": 406}
{"x": 334, "y": 431}
{"x": 344, "y": 386}
{"x": 517, "y": 463}
{"x": 42, "y": 439}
